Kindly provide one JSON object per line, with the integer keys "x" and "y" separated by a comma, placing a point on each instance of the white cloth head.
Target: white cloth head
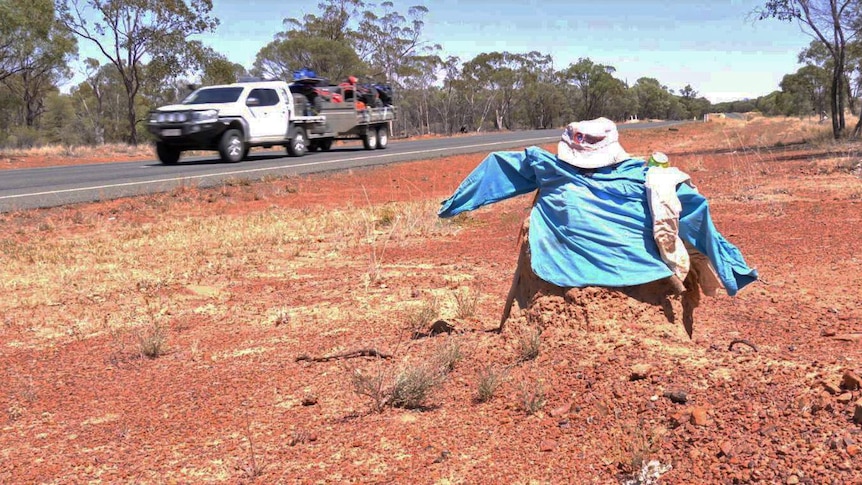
{"x": 591, "y": 144}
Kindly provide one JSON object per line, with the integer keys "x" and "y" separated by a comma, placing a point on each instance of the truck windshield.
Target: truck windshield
{"x": 213, "y": 95}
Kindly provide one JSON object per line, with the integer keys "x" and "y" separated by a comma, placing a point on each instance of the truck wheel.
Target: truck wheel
{"x": 231, "y": 147}
{"x": 382, "y": 137}
{"x": 297, "y": 147}
{"x": 370, "y": 139}
{"x": 168, "y": 155}
{"x": 325, "y": 144}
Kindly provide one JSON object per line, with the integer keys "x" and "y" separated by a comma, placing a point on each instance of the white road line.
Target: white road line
{"x": 253, "y": 170}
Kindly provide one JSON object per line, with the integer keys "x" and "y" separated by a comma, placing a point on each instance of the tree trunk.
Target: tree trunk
{"x": 833, "y": 103}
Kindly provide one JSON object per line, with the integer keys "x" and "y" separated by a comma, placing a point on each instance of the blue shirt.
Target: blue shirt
{"x": 594, "y": 228}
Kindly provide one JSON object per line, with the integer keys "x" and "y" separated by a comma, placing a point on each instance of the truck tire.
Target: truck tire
{"x": 168, "y": 155}
{"x": 325, "y": 144}
{"x": 297, "y": 147}
{"x": 382, "y": 137}
{"x": 369, "y": 141}
{"x": 232, "y": 147}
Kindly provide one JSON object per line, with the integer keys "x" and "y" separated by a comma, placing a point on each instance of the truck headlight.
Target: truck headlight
{"x": 206, "y": 115}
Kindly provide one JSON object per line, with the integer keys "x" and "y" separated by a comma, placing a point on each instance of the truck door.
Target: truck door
{"x": 269, "y": 114}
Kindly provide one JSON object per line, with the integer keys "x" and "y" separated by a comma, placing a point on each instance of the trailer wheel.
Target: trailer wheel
{"x": 231, "y": 147}
{"x": 325, "y": 144}
{"x": 297, "y": 145}
{"x": 168, "y": 155}
{"x": 382, "y": 137}
{"x": 369, "y": 141}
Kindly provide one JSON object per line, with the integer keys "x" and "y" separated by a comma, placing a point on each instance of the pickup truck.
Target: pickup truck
{"x": 232, "y": 118}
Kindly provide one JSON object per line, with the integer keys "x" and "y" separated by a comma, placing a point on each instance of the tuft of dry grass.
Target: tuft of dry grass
{"x": 152, "y": 341}
{"x": 449, "y": 354}
{"x": 531, "y": 396}
{"x": 466, "y": 302}
{"x": 528, "y": 344}
{"x": 489, "y": 380}
{"x": 408, "y": 387}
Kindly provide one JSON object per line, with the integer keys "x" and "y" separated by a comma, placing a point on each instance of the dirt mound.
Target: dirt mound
{"x": 543, "y": 305}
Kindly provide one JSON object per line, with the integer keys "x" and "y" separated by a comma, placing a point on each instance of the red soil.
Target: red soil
{"x": 230, "y": 400}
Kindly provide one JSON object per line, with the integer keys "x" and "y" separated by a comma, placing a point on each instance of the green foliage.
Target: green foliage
{"x": 131, "y": 33}
{"x": 137, "y": 70}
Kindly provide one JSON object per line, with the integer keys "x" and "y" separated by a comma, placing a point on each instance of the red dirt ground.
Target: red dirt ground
{"x": 230, "y": 403}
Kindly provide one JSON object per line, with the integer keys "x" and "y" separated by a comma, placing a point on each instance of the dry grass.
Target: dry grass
{"x": 112, "y": 262}
{"x": 74, "y": 151}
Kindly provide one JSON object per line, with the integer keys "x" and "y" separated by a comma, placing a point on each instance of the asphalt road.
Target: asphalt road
{"x": 22, "y": 189}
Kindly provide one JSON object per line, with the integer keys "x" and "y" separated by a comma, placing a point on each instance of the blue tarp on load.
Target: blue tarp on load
{"x": 595, "y": 229}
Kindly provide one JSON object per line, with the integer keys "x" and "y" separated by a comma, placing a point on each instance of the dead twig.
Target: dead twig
{"x": 743, "y": 342}
{"x": 345, "y": 355}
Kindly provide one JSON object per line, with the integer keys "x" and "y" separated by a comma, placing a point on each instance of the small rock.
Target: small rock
{"x": 792, "y": 480}
{"x": 857, "y": 412}
{"x": 851, "y": 381}
{"x": 830, "y": 387}
{"x": 853, "y": 450}
{"x": 844, "y": 398}
{"x": 677, "y": 396}
{"x": 561, "y": 410}
{"x": 548, "y": 445}
{"x": 698, "y": 416}
{"x": 640, "y": 371}
{"x": 444, "y": 455}
{"x": 653, "y": 398}
{"x": 725, "y": 449}
{"x": 679, "y": 419}
{"x": 309, "y": 400}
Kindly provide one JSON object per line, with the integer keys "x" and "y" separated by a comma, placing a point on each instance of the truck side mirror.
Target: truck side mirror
{"x": 252, "y": 102}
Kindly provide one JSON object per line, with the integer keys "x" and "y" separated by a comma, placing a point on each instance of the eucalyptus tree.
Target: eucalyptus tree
{"x": 391, "y": 43}
{"x": 331, "y": 59}
{"x": 805, "y": 91}
{"x": 498, "y": 77}
{"x": 131, "y": 33}
{"x": 654, "y": 100}
{"x": 39, "y": 59}
{"x": 834, "y": 23}
{"x": 324, "y": 43}
{"x": 449, "y": 99}
{"x": 594, "y": 86}
{"x": 538, "y": 103}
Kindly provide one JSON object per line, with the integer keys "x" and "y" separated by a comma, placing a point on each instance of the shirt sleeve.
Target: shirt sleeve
{"x": 697, "y": 229}
{"x": 499, "y": 176}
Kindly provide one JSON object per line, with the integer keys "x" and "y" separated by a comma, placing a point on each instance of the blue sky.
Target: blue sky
{"x": 717, "y": 46}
